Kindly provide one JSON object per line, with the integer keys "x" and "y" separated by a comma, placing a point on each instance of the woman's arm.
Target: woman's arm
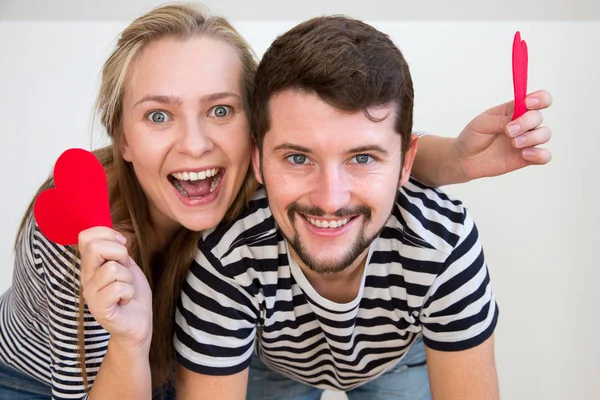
{"x": 114, "y": 368}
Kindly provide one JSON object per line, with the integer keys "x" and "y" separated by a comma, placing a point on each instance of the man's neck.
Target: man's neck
{"x": 339, "y": 287}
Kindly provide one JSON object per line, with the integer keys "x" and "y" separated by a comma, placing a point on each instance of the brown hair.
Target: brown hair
{"x": 346, "y": 62}
{"x": 129, "y": 206}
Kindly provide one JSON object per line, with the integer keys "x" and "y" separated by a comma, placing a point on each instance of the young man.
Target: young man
{"x": 341, "y": 263}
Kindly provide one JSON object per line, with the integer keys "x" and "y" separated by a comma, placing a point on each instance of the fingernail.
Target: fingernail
{"x": 513, "y": 129}
{"x": 532, "y": 102}
{"x": 520, "y": 140}
{"x": 121, "y": 239}
{"x": 528, "y": 153}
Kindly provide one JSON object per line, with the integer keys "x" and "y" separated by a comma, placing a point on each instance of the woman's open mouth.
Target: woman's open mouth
{"x": 196, "y": 184}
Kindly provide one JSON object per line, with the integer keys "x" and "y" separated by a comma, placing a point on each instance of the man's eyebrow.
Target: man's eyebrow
{"x": 291, "y": 146}
{"x": 361, "y": 149}
{"x": 177, "y": 101}
{"x": 366, "y": 149}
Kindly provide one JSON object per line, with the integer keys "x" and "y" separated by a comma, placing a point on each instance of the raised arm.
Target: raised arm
{"x": 114, "y": 369}
{"x": 119, "y": 297}
{"x": 490, "y": 145}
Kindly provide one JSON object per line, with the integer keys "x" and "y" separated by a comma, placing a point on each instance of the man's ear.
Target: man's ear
{"x": 124, "y": 147}
{"x": 409, "y": 159}
{"x": 256, "y": 163}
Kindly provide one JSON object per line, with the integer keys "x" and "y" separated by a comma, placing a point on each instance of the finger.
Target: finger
{"x": 96, "y": 253}
{"x": 489, "y": 124}
{"x": 504, "y": 109}
{"x": 526, "y": 122}
{"x": 139, "y": 279}
{"x": 99, "y": 232}
{"x": 110, "y": 272}
{"x": 535, "y": 156}
{"x": 538, "y": 100}
{"x": 103, "y": 304}
{"x": 532, "y": 138}
{"x": 119, "y": 293}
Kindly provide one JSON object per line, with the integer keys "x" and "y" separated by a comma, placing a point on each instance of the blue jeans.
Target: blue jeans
{"x": 407, "y": 380}
{"x": 15, "y": 385}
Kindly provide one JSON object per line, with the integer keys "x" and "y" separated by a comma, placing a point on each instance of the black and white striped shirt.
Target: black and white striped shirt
{"x": 38, "y": 317}
{"x": 425, "y": 274}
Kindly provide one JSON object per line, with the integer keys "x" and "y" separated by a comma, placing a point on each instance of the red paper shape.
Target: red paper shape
{"x": 78, "y": 201}
{"x": 519, "y": 70}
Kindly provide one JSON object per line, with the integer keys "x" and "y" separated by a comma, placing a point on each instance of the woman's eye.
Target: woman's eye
{"x": 158, "y": 117}
{"x": 220, "y": 111}
{"x": 298, "y": 159}
{"x": 362, "y": 159}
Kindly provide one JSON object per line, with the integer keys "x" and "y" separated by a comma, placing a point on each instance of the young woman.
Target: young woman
{"x": 97, "y": 319}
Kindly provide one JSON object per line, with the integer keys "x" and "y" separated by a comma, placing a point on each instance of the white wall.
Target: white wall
{"x": 539, "y": 226}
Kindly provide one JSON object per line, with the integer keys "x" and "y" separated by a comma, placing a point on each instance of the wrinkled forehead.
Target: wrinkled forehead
{"x": 190, "y": 68}
{"x": 305, "y": 119}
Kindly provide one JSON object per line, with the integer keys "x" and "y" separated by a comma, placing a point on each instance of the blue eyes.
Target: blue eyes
{"x": 300, "y": 159}
{"x": 220, "y": 111}
{"x": 297, "y": 159}
{"x": 158, "y": 117}
{"x": 362, "y": 159}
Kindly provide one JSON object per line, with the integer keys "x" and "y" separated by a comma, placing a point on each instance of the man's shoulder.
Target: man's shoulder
{"x": 426, "y": 217}
{"x": 254, "y": 227}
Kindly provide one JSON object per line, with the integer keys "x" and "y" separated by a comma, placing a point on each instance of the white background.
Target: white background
{"x": 539, "y": 226}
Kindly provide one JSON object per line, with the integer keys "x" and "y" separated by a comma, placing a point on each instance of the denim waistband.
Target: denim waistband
{"x": 19, "y": 381}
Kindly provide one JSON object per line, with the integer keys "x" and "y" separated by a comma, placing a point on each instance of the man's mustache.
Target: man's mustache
{"x": 294, "y": 208}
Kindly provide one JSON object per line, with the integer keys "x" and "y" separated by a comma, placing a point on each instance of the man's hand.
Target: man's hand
{"x": 492, "y": 145}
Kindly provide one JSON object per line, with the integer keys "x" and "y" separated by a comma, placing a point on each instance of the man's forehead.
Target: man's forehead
{"x": 312, "y": 101}
{"x": 305, "y": 114}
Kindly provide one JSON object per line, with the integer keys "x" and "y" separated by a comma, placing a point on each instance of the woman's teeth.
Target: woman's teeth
{"x": 195, "y": 176}
{"x": 215, "y": 183}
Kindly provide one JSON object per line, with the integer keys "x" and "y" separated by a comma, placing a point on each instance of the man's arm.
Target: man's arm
{"x": 459, "y": 316}
{"x": 215, "y": 327}
{"x": 490, "y": 145}
{"x": 463, "y": 375}
{"x": 194, "y": 386}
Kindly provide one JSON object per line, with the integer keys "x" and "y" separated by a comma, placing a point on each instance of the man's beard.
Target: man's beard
{"x": 333, "y": 266}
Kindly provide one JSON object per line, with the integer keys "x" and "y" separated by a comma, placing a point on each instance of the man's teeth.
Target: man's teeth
{"x": 195, "y": 176}
{"x": 328, "y": 224}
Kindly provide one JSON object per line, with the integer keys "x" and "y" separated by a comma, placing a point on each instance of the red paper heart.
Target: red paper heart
{"x": 78, "y": 201}
{"x": 519, "y": 68}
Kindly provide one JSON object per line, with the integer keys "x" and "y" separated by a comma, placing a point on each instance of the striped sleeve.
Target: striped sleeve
{"x": 60, "y": 267}
{"x": 420, "y": 133}
{"x": 460, "y": 310}
{"x": 216, "y": 320}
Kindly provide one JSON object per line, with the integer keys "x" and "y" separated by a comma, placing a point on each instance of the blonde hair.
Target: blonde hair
{"x": 129, "y": 206}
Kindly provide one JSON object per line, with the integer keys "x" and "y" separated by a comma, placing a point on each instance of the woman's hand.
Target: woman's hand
{"x": 491, "y": 144}
{"x": 115, "y": 288}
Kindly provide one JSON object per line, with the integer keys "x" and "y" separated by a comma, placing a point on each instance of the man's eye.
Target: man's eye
{"x": 158, "y": 117}
{"x": 298, "y": 159}
{"x": 220, "y": 111}
{"x": 362, "y": 159}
